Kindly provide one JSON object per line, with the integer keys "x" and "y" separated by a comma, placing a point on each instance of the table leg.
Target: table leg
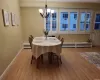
{"x": 58, "y": 60}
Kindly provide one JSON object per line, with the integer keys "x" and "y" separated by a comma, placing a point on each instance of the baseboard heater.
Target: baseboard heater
{"x": 67, "y": 45}
{"x": 77, "y": 44}
{"x": 26, "y": 45}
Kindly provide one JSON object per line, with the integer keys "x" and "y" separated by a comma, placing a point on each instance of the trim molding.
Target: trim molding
{"x": 54, "y": 3}
{"x": 10, "y": 64}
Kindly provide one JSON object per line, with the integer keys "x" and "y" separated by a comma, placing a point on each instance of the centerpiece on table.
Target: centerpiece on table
{"x": 46, "y": 32}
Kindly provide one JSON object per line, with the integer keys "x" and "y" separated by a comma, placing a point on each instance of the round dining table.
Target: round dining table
{"x": 42, "y": 45}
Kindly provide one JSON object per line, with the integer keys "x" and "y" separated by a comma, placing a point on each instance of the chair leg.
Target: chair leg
{"x": 32, "y": 59}
{"x": 60, "y": 60}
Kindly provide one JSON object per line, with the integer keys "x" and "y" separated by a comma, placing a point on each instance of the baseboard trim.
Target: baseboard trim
{"x": 10, "y": 64}
{"x": 97, "y": 45}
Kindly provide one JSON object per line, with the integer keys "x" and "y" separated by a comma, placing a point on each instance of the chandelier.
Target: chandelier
{"x": 46, "y": 11}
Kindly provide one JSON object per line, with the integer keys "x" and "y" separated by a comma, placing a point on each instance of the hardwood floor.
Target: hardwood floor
{"x": 74, "y": 67}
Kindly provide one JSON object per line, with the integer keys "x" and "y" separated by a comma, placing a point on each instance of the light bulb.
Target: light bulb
{"x": 40, "y": 10}
{"x": 48, "y": 10}
{"x": 52, "y": 11}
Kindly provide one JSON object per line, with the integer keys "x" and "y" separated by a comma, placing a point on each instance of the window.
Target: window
{"x": 63, "y": 21}
{"x": 85, "y": 19}
{"x": 97, "y": 22}
{"x": 73, "y": 21}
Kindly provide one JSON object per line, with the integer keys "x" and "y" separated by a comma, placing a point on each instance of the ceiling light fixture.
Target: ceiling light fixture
{"x": 45, "y": 12}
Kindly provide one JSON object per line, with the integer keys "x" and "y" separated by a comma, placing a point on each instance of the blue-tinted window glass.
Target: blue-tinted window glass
{"x": 48, "y": 23}
{"x": 82, "y": 21}
{"x": 88, "y": 17}
{"x": 63, "y": 21}
{"x": 97, "y": 18}
{"x": 54, "y": 16}
{"x": 87, "y": 27}
{"x": 73, "y": 21}
{"x": 54, "y": 26}
{"x": 97, "y": 22}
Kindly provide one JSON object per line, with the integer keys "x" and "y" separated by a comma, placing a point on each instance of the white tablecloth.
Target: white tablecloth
{"x": 41, "y": 45}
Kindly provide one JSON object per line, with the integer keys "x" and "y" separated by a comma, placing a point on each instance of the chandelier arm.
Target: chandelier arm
{"x": 41, "y": 15}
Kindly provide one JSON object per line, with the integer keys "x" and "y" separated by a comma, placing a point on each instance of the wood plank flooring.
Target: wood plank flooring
{"x": 74, "y": 67}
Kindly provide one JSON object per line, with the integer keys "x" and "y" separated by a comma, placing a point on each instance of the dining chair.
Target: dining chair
{"x": 30, "y": 39}
{"x": 58, "y": 58}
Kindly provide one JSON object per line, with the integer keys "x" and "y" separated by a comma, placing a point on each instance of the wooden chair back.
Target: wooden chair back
{"x": 31, "y": 36}
{"x": 30, "y": 40}
{"x": 62, "y": 41}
